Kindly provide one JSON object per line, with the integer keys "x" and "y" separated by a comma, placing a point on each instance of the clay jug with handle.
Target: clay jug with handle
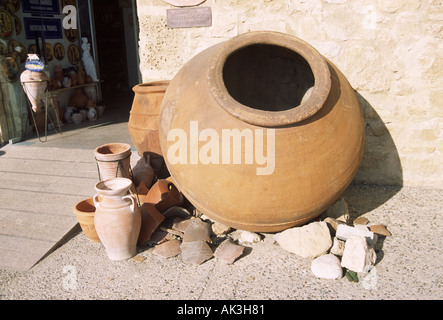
{"x": 117, "y": 218}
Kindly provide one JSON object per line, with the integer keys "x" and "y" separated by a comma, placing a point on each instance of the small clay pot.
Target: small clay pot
{"x": 85, "y": 211}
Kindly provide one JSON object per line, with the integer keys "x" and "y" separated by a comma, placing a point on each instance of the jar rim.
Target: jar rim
{"x": 264, "y": 118}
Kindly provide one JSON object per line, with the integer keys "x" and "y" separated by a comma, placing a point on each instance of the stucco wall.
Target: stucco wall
{"x": 391, "y": 51}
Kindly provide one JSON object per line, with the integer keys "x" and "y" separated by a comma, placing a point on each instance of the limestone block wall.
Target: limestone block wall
{"x": 391, "y": 51}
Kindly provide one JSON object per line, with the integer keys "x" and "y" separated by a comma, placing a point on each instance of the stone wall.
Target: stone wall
{"x": 391, "y": 51}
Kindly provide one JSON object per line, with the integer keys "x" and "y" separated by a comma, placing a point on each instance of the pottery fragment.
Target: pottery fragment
{"x": 197, "y": 230}
{"x": 168, "y": 249}
{"x": 151, "y": 219}
{"x": 195, "y": 252}
{"x": 228, "y": 251}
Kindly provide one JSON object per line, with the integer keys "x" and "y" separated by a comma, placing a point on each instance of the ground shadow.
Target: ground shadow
{"x": 380, "y": 166}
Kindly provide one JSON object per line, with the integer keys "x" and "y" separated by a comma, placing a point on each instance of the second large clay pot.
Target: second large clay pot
{"x": 144, "y": 115}
{"x": 261, "y": 132}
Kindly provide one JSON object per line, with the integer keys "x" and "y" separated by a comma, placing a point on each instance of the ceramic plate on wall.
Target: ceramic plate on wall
{"x": 7, "y": 26}
{"x": 23, "y": 53}
{"x": 73, "y": 54}
{"x": 59, "y": 51}
{"x": 49, "y": 52}
{"x": 71, "y": 34}
{"x": 10, "y": 69}
{"x": 3, "y": 49}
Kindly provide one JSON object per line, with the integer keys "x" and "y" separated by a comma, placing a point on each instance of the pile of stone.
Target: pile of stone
{"x": 334, "y": 243}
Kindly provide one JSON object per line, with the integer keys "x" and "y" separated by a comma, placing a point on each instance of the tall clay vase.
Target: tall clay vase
{"x": 117, "y": 218}
{"x": 113, "y": 160}
{"x": 299, "y": 139}
{"x": 144, "y": 115}
{"x": 34, "y": 85}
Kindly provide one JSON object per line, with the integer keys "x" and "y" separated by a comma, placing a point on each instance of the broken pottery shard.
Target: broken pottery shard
{"x": 380, "y": 229}
{"x": 361, "y": 220}
{"x": 327, "y": 267}
{"x": 228, "y": 251}
{"x": 168, "y": 249}
{"x": 357, "y": 256}
{"x": 181, "y": 224}
{"x": 195, "y": 252}
{"x": 151, "y": 219}
{"x": 344, "y": 232}
{"x": 197, "y": 230}
{"x": 309, "y": 241}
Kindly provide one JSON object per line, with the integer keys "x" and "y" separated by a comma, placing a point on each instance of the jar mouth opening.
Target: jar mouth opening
{"x": 270, "y": 79}
{"x": 153, "y": 86}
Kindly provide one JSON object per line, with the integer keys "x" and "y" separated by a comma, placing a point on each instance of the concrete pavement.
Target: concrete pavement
{"x": 44, "y": 254}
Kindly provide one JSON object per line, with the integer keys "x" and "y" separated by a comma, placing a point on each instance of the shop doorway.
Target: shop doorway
{"x": 114, "y": 35}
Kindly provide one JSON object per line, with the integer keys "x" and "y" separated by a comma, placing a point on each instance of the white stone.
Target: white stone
{"x": 338, "y": 246}
{"x": 344, "y": 232}
{"x": 327, "y": 267}
{"x": 248, "y": 237}
{"x": 357, "y": 256}
{"x": 219, "y": 228}
{"x": 309, "y": 241}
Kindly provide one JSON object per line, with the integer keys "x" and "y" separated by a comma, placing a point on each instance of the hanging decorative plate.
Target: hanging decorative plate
{"x": 3, "y": 49}
{"x": 73, "y": 54}
{"x": 59, "y": 51}
{"x": 18, "y": 25}
{"x": 6, "y": 25}
{"x": 49, "y": 52}
{"x": 10, "y": 69}
{"x": 32, "y": 48}
{"x": 16, "y": 4}
{"x": 71, "y": 34}
{"x": 11, "y": 48}
{"x": 10, "y": 7}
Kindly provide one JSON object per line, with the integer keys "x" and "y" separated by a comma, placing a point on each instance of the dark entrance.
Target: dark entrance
{"x": 114, "y": 33}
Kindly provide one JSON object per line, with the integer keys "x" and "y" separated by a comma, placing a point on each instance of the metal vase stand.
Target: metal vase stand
{"x": 47, "y": 115}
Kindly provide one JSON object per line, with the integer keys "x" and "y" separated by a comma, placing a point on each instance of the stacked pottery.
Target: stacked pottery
{"x": 117, "y": 218}
{"x": 34, "y": 82}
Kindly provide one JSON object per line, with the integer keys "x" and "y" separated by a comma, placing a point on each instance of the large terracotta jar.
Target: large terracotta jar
{"x": 261, "y": 132}
{"x": 144, "y": 115}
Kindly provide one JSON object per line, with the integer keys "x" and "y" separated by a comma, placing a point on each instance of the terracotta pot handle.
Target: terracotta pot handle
{"x": 96, "y": 200}
{"x": 132, "y": 200}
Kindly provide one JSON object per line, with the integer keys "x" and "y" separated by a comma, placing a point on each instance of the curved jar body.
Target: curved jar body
{"x": 117, "y": 218}
{"x": 144, "y": 115}
{"x": 34, "y": 84}
{"x": 261, "y": 132}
